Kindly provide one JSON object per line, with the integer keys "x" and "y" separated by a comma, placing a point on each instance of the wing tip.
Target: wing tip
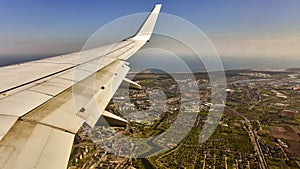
{"x": 145, "y": 31}
{"x": 158, "y": 5}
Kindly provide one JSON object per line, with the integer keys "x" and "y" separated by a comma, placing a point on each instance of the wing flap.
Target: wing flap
{"x": 114, "y": 120}
{"x": 30, "y": 145}
{"x": 109, "y": 79}
{"x": 6, "y": 122}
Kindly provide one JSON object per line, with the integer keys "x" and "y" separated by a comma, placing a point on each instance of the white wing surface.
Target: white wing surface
{"x": 38, "y": 117}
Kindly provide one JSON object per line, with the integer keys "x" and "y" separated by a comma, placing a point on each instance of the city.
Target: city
{"x": 259, "y": 127}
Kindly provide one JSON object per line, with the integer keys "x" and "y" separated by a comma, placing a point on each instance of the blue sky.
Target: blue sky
{"x": 50, "y": 27}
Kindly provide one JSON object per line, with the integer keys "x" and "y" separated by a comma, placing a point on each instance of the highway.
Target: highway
{"x": 253, "y": 138}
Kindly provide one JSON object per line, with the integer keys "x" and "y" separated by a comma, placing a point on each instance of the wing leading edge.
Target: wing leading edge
{"x": 38, "y": 120}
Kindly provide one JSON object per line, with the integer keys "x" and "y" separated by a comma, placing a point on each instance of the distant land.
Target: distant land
{"x": 268, "y": 63}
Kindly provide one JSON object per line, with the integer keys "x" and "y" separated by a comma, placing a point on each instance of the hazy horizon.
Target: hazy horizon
{"x": 234, "y": 27}
{"x": 138, "y": 62}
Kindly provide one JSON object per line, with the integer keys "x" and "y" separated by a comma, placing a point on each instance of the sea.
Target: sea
{"x": 184, "y": 63}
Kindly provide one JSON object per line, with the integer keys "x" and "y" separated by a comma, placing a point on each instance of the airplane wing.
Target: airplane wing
{"x": 38, "y": 119}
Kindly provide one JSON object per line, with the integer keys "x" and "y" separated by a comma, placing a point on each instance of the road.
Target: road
{"x": 253, "y": 138}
